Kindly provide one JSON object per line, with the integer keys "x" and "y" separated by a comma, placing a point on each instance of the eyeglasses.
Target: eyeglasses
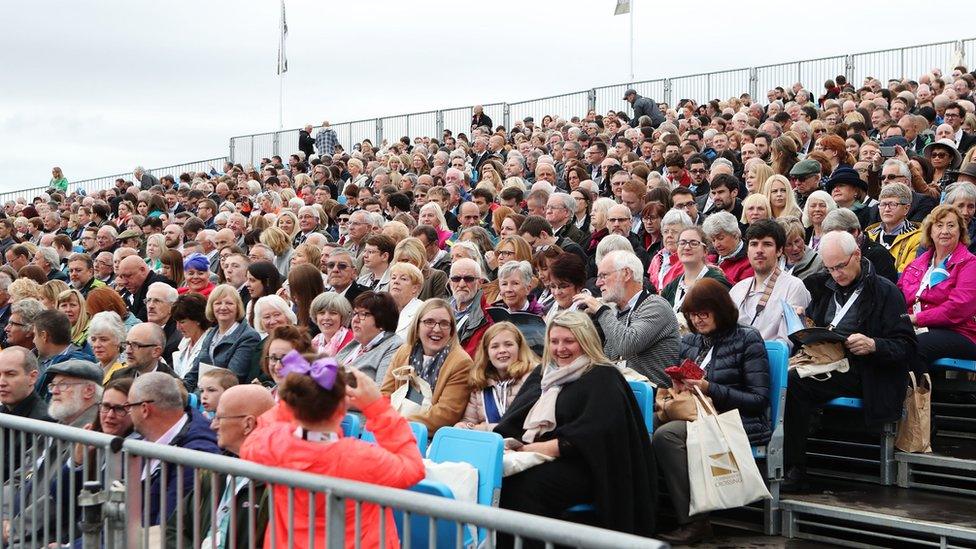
{"x": 361, "y": 315}
{"x": 467, "y": 279}
{"x": 689, "y": 243}
{"x": 18, "y": 324}
{"x": 430, "y": 323}
{"x": 939, "y": 154}
{"x": 684, "y": 205}
{"x": 893, "y": 176}
{"x": 130, "y": 405}
{"x": 505, "y": 253}
{"x": 841, "y": 267}
{"x": 62, "y": 385}
{"x": 888, "y": 204}
{"x": 139, "y": 345}
{"x": 700, "y": 315}
{"x": 618, "y": 220}
{"x": 699, "y": 170}
{"x": 340, "y": 266}
{"x": 109, "y": 409}
{"x": 274, "y": 359}
{"x": 603, "y": 276}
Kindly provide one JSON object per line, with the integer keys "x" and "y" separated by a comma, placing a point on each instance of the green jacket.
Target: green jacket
{"x": 59, "y": 184}
{"x": 261, "y": 513}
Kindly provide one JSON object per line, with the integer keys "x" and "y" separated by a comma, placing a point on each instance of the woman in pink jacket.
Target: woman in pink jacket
{"x": 315, "y": 391}
{"x": 940, "y": 290}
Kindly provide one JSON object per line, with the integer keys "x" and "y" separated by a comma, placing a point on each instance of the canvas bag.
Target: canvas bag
{"x": 722, "y": 474}
{"x": 819, "y": 359}
{"x": 914, "y": 433}
{"x": 403, "y": 400}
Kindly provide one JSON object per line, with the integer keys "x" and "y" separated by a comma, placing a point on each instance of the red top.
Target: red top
{"x": 394, "y": 461}
{"x": 204, "y": 292}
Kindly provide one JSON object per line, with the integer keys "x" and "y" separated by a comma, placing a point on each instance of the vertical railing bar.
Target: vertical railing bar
{"x": 179, "y": 506}
{"x": 291, "y": 518}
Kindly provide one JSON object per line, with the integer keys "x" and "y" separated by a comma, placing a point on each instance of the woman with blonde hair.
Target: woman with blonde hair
{"x": 418, "y": 164}
{"x": 578, "y": 409}
{"x": 280, "y": 244}
{"x": 50, "y": 291}
{"x": 74, "y": 306}
{"x": 23, "y": 288}
{"x": 155, "y": 246}
{"x": 755, "y": 207}
{"x": 288, "y": 222}
{"x": 406, "y": 282}
{"x": 230, "y": 343}
{"x": 411, "y": 250}
{"x": 502, "y": 363}
{"x": 757, "y": 173}
{"x": 782, "y": 199}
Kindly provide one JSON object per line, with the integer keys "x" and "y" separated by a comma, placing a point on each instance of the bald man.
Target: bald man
{"x": 134, "y": 277}
{"x": 237, "y": 417}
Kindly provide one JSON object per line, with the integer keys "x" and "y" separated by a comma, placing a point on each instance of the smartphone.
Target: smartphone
{"x": 887, "y": 152}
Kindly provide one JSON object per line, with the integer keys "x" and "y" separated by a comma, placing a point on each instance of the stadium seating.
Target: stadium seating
{"x": 419, "y": 433}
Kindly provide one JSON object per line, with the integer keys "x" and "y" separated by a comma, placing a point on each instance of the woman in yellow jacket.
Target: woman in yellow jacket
{"x": 895, "y": 232}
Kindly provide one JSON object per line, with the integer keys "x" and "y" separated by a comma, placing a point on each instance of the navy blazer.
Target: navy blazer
{"x": 233, "y": 352}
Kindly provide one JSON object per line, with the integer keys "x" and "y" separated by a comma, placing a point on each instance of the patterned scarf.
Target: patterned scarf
{"x": 429, "y": 371}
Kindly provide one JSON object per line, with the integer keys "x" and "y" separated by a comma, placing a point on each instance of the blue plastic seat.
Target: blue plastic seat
{"x": 352, "y": 426}
{"x": 778, "y": 355}
{"x": 955, "y": 364}
{"x": 644, "y": 393}
{"x": 419, "y": 433}
{"x": 481, "y": 449}
{"x": 846, "y": 402}
{"x": 445, "y": 531}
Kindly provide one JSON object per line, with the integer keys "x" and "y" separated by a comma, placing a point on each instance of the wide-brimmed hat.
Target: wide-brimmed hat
{"x": 947, "y": 144}
{"x": 845, "y": 175}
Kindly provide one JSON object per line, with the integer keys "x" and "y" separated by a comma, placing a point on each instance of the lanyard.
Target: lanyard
{"x": 679, "y": 295}
{"x": 665, "y": 267}
{"x": 767, "y": 291}
{"x": 843, "y": 310}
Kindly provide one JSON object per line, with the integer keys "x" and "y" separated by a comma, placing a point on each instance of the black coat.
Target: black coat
{"x": 881, "y": 315}
{"x": 138, "y": 301}
{"x": 599, "y": 423}
{"x": 880, "y": 258}
{"x": 645, "y": 106}
{"x": 306, "y": 144}
{"x": 32, "y": 407}
{"x": 737, "y": 375}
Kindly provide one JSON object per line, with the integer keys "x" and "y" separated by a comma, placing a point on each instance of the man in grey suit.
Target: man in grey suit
{"x": 639, "y": 327}
{"x": 76, "y": 391}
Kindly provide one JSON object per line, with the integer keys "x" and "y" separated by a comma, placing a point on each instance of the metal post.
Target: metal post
{"x": 379, "y": 131}
{"x": 591, "y": 100}
{"x": 408, "y": 126}
{"x": 754, "y": 83}
{"x": 276, "y": 143}
{"x": 90, "y": 500}
{"x": 901, "y": 73}
{"x": 849, "y": 68}
{"x": 230, "y": 155}
{"x": 440, "y": 125}
{"x": 631, "y": 10}
{"x": 506, "y": 111}
{"x": 335, "y": 519}
{"x": 252, "y": 149}
{"x": 667, "y": 91}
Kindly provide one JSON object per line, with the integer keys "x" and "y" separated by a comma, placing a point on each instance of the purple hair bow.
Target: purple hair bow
{"x": 323, "y": 370}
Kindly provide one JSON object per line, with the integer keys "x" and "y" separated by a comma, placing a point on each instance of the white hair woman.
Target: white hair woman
{"x": 514, "y": 285}
{"x": 106, "y": 335}
{"x": 665, "y": 266}
{"x": 431, "y": 214}
{"x": 818, "y": 205}
{"x": 406, "y": 282}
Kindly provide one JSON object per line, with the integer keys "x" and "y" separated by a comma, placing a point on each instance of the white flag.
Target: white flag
{"x": 623, "y": 6}
{"x": 282, "y": 59}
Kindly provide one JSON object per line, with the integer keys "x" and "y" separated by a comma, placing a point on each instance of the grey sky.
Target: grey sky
{"x": 97, "y": 87}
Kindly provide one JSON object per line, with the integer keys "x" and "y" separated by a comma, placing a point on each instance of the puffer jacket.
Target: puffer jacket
{"x": 737, "y": 375}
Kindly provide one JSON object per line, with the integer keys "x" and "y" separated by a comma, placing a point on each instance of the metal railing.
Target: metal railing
{"x": 107, "y": 181}
{"x": 908, "y": 62}
{"x": 113, "y": 508}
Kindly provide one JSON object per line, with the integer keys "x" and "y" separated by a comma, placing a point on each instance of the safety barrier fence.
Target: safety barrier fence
{"x": 107, "y": 181}
{"x": 907, "y": 62}
{"x": 107, "y": 502}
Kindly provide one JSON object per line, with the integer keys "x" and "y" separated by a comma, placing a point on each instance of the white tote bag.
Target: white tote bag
{"x": 402, "y": 400}
{"x": 721, "y": 470}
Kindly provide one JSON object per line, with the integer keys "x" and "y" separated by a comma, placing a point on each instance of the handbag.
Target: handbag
{"x": 413, "y": 396}
{"x": 914, "y": 433}
{"x": 671, "y": 405}
{"x": 722, "y": 474}
{"x": 819, "y": 359}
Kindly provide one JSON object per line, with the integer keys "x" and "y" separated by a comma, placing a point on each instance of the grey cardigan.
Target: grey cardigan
{"x": 647, "y": 338}
{"x": 375, "y": 361}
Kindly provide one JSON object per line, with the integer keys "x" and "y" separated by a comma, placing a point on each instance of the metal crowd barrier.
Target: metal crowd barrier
{"x": 112, "y": 509}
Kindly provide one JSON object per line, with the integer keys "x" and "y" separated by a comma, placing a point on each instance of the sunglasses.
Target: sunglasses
{"x": 468, "y": 279}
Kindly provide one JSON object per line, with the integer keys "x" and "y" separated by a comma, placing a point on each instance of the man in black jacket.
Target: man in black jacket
{"x": 870, "y": 312}
{"x": 643, "y": 106}
{"x": 134, "y": 276}
{"x": 306, "y": 143}
{"x": 18, "y": 374}
{"x": 880, "y": 258}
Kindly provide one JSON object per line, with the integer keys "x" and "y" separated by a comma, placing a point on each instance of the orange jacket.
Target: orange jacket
{"x": 394, "y": 461}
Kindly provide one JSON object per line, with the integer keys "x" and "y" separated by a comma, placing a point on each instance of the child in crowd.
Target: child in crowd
{"x": 212, "y": 385}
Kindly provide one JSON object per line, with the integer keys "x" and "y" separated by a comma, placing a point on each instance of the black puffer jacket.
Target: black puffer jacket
{"x": 737, "y": 375}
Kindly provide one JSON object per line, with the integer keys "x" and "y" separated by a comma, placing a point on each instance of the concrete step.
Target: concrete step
{"x": 950, "y": 468}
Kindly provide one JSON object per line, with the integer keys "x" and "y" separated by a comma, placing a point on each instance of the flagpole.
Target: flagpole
{"x": 281, "y": 74}
{"x": 632, "y": 2}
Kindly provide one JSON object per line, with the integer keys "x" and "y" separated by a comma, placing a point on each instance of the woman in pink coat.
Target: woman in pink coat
{"x": 940, "y": 290}
{"x": 315, "y": 392}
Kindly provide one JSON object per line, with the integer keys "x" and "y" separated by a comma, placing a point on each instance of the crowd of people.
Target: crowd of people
{"x": 285, "y": 295}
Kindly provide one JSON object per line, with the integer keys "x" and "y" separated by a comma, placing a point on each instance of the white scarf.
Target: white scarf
{"x": 542, "y": 417}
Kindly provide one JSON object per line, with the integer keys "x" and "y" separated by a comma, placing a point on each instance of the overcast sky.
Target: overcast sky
{"x": 98, "y": 87}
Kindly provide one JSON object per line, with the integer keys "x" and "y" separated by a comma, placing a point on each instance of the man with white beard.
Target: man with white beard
{"x": 76, "y": 391}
